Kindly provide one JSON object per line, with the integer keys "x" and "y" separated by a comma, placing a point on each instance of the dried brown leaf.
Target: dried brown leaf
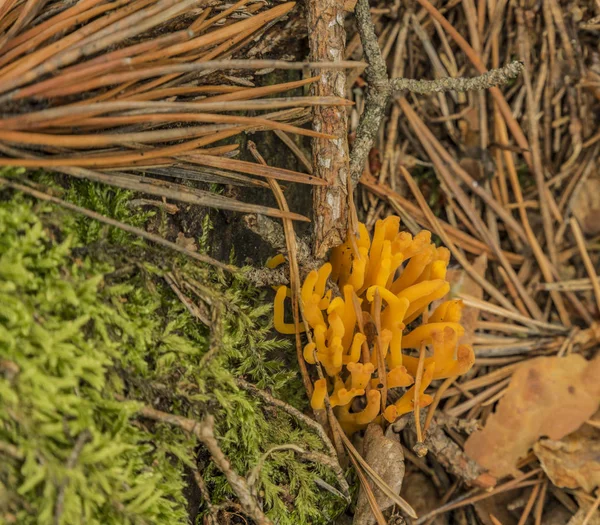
{"x": 547, "y": 396}
{"x": 384, "y": 454}
{"x": 574, "y": 461}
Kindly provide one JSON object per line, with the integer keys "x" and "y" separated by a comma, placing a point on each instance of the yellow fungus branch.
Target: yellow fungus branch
{"x": 389, "y": 281}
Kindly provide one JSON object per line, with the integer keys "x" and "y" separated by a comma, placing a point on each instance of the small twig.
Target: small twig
{"x": 529, "y": 505}
{"x": 360, "y": 463}
{"x": 452, "y": 457}
{"x": 539, "y": 506}
{"x": 82, "y": 439}
{"x": 592, "y": 510}
{"x": 291, "y": 248}
{"x": 419, "y": 448}
{"x": 493, "y": 78}
{"x": 378, "y": 94}
{"x": 332, "y": 461}
{"x": 204, "y": 432}
{"x": 381, "y": 88}
{"x": 192, "y": 308}
{"x": 212, "y": 516}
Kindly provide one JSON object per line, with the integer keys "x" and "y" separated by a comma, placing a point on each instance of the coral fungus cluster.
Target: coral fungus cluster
{"x": 361, "y": 336}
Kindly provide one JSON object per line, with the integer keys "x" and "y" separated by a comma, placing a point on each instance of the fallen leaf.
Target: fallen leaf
{"x": 460, "y": 282}
{"x": 547, "y": 396}
{"x": 574, "y": 461}
{"x": 586, "y": 206}
{"x": 420, "y": 492}
{"x": 186, "y": 242}
{"x": 385, "y": 456}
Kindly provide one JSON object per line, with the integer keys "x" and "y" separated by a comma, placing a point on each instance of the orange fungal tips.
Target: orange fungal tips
{"x": 368, "y": 302}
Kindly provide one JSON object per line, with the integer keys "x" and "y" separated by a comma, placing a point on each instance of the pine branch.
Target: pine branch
{"x": 381, "y": 88}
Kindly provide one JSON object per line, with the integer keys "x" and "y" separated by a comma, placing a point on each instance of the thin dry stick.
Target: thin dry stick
{"x": 291, "y": 243}
{"x": 212, "y": 517}
{"x": 375, "y": 477}
{"x": 419, "y": 447}
{"x": 377, "y": 96}
{"x": 369, "y": 493}
{"x": 539, "y": 506}
{"x": 204, "y": 432}
{"x": 592, "y": 511}
{"x": 378, "y": 348}
{"x": 498, "y": 310}
{"x": 587, "y": 261}
{"x": 117, "y": 224}
{"x": 494, "y": 520}
{"x": 489, "y": 79}
{"x": 476, "y": 400}
{"x": 333, "y": 461}
{"x": 529, "y": 505}
{"x": 436, "y": 400}
{"x": 290, "y": 239}
{"x": 474, "y": 496}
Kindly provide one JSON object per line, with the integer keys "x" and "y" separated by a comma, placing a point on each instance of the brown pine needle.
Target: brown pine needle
{"x": 436, "y": 400}
{"x": 593, "y": 509}
{"x": 587, "y": 261}
{"x": 419, "y": 448}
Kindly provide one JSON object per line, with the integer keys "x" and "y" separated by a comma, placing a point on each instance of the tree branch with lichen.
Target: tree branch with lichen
{"x": 381, "y": 88}
{"x": 493, "y": 78}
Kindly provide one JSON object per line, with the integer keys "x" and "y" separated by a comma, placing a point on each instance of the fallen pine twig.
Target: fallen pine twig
{"x": 204, "y": 432}
{"x": 381, "y": 88}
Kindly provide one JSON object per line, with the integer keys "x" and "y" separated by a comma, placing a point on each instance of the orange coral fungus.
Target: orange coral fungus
{"x": 386, "y": 284}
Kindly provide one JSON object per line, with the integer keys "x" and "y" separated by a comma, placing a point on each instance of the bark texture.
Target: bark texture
{"x": 327, "y": 39}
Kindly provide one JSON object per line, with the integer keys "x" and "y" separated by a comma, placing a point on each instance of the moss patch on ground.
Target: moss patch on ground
{"x": 90, "y": 331}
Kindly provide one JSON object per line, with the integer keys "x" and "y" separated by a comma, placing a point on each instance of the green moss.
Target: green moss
{"x": 88, "y": 325}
